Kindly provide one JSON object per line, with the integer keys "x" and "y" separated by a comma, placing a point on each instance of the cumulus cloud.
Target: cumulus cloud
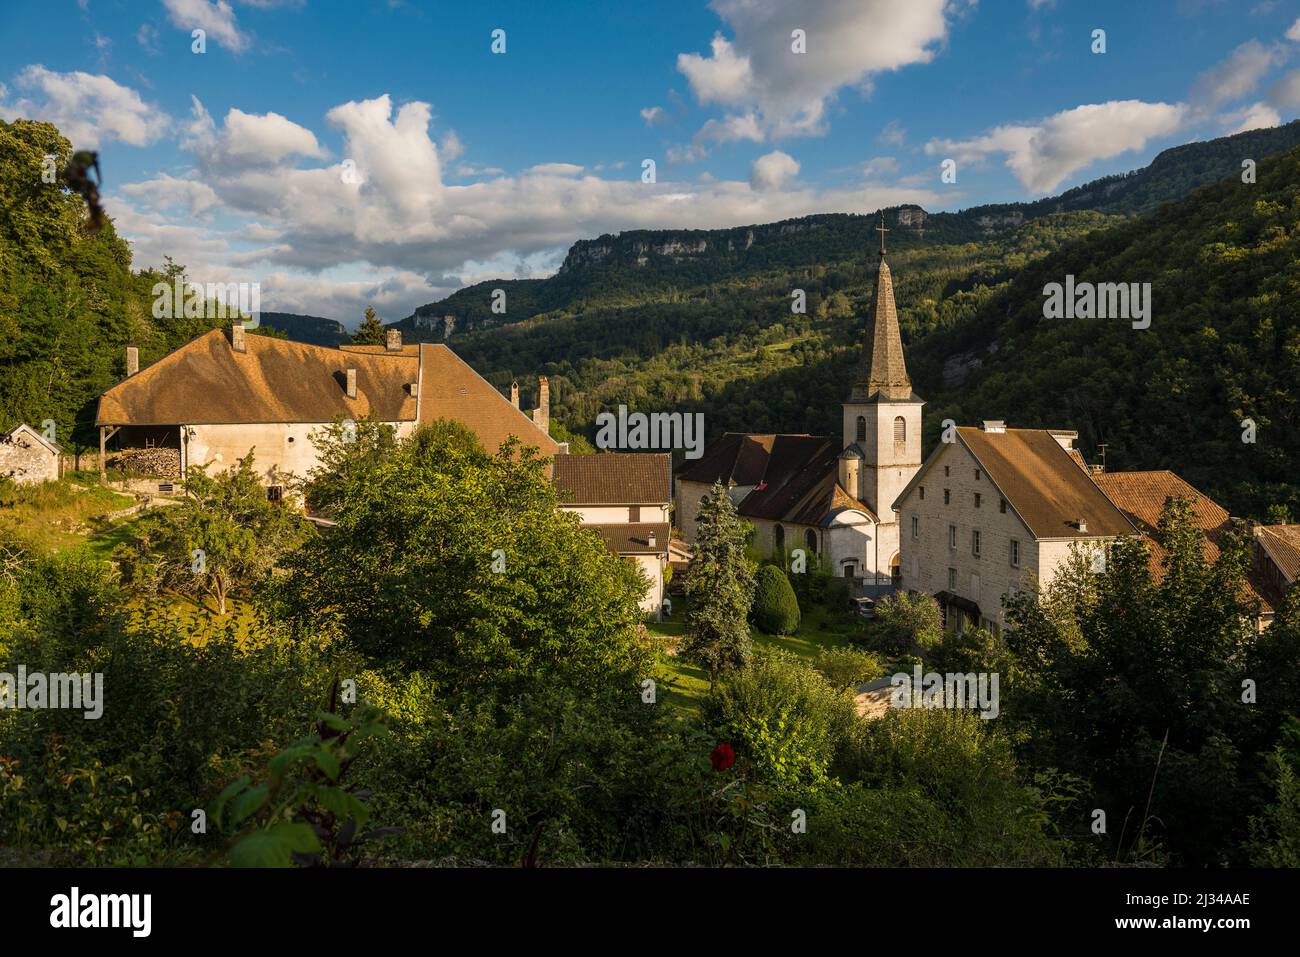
{"x": 246, "y": 139}
{"x": 166, "y": 192}
{"x": 1293, "y": 33}
{"x": 1235, "y": 77}
{"x": 1254, "y": 117}
{"x": 89, "y": 109}
{"x": 1043, "y": 155}
{"x": 216, "y": 19}
{"x": 396, "y": 226}
{"x": 773, "y": 171}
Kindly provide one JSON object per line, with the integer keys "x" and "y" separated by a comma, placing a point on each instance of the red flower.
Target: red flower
{"x": 723, "y": 757}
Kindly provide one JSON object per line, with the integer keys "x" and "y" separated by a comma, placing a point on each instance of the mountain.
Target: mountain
{"x": 312, "y": 329}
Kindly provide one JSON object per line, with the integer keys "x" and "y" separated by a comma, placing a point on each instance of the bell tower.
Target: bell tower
{"x": 882, "y": 417}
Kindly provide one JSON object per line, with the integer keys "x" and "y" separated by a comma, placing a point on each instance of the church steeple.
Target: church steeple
{"x": 881, "y": 368}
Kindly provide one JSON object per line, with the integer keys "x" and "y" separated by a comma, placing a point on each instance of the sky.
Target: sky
{"x": 345, "y": 153}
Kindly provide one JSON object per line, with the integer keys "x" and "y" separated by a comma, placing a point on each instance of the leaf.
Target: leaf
{"x": 247, "y": 804}
{"x": 274, "y": 846}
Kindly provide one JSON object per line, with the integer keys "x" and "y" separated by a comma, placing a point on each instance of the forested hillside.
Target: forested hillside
{"x": 69, "y": 301}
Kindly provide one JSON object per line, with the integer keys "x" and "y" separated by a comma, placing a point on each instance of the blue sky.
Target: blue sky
{"x": 345, "y": 153}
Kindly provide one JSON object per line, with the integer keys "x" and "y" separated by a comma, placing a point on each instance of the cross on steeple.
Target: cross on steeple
{"x": 882, "y": 230}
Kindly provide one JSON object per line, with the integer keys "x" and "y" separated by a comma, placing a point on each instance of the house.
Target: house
{"x": 625, "y": 497}
{"x": 830, "y": 496}
{"x": 28, "y": 457}
{"x": 1277, "y": 559}
{"x": 996, "y": 511}
{"x": 1141, "y": 496}
{"x": 225, "y": 393}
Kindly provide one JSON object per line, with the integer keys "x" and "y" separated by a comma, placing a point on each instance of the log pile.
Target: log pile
{"x": 164, "y": 463}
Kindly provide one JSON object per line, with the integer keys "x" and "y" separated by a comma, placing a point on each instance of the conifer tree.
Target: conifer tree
{"x": 719, "y": 589}
{"x": 371, "y": 330}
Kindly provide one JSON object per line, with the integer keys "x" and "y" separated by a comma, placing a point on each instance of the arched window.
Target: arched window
{"x": 862, "y": 428}
{"x": 810, "y": 539}
{"x": 778, "y": 537}
{"x": 900, "y": 433}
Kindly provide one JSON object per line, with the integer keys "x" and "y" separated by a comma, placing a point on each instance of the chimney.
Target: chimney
{"x": 1083, "y": 525}
{"x": 237, "y": 336}
{"x": 542, "y": 414}
{"x": 994, "y": 425}
{"x": 514, "y": 394}
{"x": 352, "y": 383}
{"x": 650, "y": 539}
{"x": 413, "y": 388}
{"x": 393, "y": 342}
{"x": 132, "y": 361}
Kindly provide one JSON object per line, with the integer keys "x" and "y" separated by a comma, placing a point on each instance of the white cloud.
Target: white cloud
{"x": 654, "y": 115}
{"x": 216, "y": 19}
{"x": 773, "y": 171}
{"x": 1235, "y": 77}
{"x": 1043, "y": 155}
{"x": 451, "y": 146}
{"x": 247, "y": 140}
{"x": 848, "y": 41}
{"x": 167, "y": 192}
{"x": 147, "y": 37}
{"x": 1294, "y": 32}
{"x": 1285, "y": 93}
{"x": 879, "y": 166}
{"x": 89, "y": 109}
{"x": 402, "y": 230}
{"x": 893, "y": 134}
{"x": 1254, "y": 117}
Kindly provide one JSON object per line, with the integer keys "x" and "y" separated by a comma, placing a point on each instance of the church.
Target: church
{"x": 831, "y": 496}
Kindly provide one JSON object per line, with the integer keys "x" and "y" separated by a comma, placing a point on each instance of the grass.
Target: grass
{"x": 821, "y": 626}
{"x": 56, "y": 516}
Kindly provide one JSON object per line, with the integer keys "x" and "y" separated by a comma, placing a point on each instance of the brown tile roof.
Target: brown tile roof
{"x": 275, "y": 380}
{"x": 450, "y": 389}
{"x": 800, "y": 484}
{"x": 1282, "y": 542}
{"x": 614, "y": 478}
{"x": 634, "y": 538}
{"x": 1044, "y": 483}
{"x": 1141, "y": 496}
{"x": 738, "y": 458}
{"x": 411, "y": 349}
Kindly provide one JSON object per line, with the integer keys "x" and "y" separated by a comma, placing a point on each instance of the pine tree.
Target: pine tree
{"x": 371, "y": 331}
{"x": 719, "y": 589}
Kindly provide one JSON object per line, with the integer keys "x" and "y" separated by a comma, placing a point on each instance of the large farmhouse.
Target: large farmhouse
{"x": 226, "y": 392}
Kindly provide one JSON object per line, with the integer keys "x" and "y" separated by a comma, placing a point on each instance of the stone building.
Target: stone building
{"x": 27, "y": 457}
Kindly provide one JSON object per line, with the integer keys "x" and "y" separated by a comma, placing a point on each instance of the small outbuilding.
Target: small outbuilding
{"x": 27, "y": 456}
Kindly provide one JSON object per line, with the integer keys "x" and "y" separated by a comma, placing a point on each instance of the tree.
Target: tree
{"x": 719, "y": 589}
{"x": 776, "y": 609}
{"x": 223, "y": 536}
{"x": 904, "y": 622}
{"x": 371, "y": 331}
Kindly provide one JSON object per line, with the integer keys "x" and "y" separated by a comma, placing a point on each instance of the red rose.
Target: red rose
{"x": 723, "y": 757}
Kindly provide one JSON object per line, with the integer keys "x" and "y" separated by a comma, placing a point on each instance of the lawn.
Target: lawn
{"x": 821, "y": 626}
{"x": 56, "y": 516}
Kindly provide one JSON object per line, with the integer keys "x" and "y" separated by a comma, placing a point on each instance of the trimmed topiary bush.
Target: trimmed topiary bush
{"x": 775, "y": 609}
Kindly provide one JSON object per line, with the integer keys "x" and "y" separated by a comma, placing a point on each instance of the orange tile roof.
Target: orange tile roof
{"x": 411, "y": 349}
{"x": 1282, "y": 542}
{"x": 207, "y": 382}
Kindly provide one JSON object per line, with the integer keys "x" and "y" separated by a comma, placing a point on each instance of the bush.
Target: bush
{"x": 904, "y": 622}
{"x": 849, "y": 667}
{"x": 776, "y": 609}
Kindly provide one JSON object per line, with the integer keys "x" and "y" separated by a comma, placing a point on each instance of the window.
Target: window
{"x": 946, "y": 469}
{"x": 922, "y": 488}
{"x": 1015, "y": 553}
{"x": 952, "y": 580}
{"x": 1002, "y": 505}
{"x": 862, "y": 428}
{"x": 778, "y": 536}
{"x": 952, "y": 536}
{"x": 634, "y": 513}
{"x": 275, "y": 493}
{"x": 977, "y": 499}
{"x": 916, "y": 527}
{"x": 977, "y": 475}
{"x": 947, "y": 497}
{"x": 810, "y": 539}
{"x": 900, "y": 433}
{"x": 975, "y": 542}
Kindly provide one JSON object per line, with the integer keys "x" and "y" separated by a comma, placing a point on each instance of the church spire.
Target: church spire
{"x": 882, "y": 368}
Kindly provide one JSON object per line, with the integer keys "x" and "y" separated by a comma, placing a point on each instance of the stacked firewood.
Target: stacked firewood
{"x": 164, "y": 463}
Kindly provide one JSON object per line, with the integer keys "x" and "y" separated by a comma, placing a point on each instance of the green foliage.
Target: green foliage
{"x": 1275, "y": 834}
{"x": 719, "y": 589}
{"x": 775, "y": 609}
{"x": 905, "y": 622}
{"x": 371, "y": 331}
{"x": 849, "y": 667}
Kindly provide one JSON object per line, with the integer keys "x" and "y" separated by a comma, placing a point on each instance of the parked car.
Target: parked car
{"x": 865, "y": 608}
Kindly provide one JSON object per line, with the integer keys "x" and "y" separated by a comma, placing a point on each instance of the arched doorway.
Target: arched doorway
{"x": 896, "y": 571}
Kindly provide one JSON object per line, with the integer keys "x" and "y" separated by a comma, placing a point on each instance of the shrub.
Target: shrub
{"x": 904, "y": 622}
{"x": 775, "y": 610}
{"x": 849, "y": 667}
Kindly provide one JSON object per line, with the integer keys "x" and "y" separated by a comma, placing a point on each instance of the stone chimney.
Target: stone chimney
{"x": 651, "y": 540}
{"x": 514, "y": 394}
{"x": 994, "y": 425}
{"x": 542, "y": 414}
{"x": 237, "y": 337}
{"x": 1083, "y": 525}
{"x": 132, "y": 361}
{"x": 352, "y": 383}
{"x": 393, "y": 341}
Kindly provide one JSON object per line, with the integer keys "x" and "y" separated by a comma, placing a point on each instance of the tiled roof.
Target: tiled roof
{"x": 800, "y": 484}
{"x": 738, "y": 458}
{"x": 1282, "y": 542}
{"x": 450, "y": 389}
{"x": 634, "y": 538}
{"x": 1141, "y": 496}
{"x": 614, "y": 478}
{"x": 411, "y": 349}
{"x": 1044, "y": 484}
{"x": 206, "y": 381}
